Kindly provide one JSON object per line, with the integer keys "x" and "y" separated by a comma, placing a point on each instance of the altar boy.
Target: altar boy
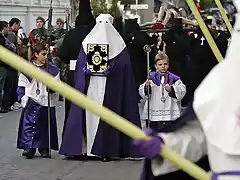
{"x": 34, "y": 122}
{"x": 166, "y": 92}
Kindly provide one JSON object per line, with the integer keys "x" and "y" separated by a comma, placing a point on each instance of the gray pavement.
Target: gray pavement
{"x": 14, "y": 167}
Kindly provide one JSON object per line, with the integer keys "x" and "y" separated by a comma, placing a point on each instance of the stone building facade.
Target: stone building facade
{"x": 28, "y": 10}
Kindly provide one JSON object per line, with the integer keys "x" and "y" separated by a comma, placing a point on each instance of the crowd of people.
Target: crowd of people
{"x": 13, "y": 37}
{"x": 9, "y": 76}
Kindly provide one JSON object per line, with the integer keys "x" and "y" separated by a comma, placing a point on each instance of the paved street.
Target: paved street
{"x": 14, "y": 166}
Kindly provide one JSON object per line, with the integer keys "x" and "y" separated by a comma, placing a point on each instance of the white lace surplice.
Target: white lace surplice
{"x": 159, "y": 111}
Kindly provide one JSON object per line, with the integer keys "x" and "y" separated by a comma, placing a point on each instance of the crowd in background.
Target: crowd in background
{"x": 13, "y": 37}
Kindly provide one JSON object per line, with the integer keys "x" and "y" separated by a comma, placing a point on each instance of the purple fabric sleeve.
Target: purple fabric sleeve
{"x": 20, "y": 92}
{"x": 215, "y": 176}
{"x": 146, "y": 90}
{"x": 172, "y": 93}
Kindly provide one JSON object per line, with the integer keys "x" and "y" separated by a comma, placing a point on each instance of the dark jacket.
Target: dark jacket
{"x": 2, "y": 43}
{"x": 72, "y": 43}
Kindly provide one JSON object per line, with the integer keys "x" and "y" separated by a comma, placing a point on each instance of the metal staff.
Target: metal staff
{"x": 67, "y": 16}
{"x": 147, "y": 49}
{"x": 49, "y": 117}
{"x": 48, "y": 90}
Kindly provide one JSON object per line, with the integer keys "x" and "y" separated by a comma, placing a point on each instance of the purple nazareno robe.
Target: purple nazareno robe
{"x": 33, "y": 125}
{"x": 120, "y": 97}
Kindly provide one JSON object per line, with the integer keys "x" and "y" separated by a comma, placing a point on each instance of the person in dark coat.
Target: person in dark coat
{"x": 135, "y": 41}
{"x": 72, "y": 44}
{"x": 7, "y": 74}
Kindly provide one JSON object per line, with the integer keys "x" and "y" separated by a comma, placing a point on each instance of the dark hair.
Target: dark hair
{"x": 40, "y": 18}
{"x": 60, "y": 20}
{"x": 39, "y": 47}
{"x": 14, "y": 21}
{"x": 161, "y": 56}
{"x": 3, "y": 24}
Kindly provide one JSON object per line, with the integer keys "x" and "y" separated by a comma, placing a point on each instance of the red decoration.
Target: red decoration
{"x": 34, "y": 43}
{"x": 158, "y": 26}
{"x": 198, "y": 7}
{"x": 56, "y": 50}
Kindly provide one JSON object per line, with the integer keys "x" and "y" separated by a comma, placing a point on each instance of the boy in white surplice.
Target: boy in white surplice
{"x": 166, "y": 92}
{"x": 34, "y": 124}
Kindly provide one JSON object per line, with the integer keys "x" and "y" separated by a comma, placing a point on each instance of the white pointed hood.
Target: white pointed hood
{"x": 217, "y": 100}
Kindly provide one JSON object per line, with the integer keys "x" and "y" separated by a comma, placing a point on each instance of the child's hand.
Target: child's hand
{"x": 167, "y": 87}
{"x": 148, "y": 83}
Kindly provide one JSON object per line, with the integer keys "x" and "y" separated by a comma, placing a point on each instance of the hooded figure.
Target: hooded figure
{"x": 217, "y": 107}
{"x": 72, "y": 43}
{"x": 185, "y": 136}
{"x": 103, "y": 73}
{"x": 237, "y": 4}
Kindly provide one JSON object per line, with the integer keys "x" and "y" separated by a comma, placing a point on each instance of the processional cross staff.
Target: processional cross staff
{"x": 147, "y": 49}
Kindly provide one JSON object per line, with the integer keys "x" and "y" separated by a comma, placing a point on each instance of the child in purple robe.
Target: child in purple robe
{"x": 166, "y": 92}
{"x": 34, "y": 123}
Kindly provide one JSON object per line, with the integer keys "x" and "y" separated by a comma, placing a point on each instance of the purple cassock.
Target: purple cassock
{"x": 33, "y": 126}
{"x": 120, "y": 97}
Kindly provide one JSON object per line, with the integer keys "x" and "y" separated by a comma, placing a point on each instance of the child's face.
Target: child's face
{"x": 41, "y": 56}
{"x": 39, "y": 23}
{"x": 59, "y": 25}
{"x": 162, "y": 66}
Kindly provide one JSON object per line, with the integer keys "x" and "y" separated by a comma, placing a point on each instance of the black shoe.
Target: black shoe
{"x": 9, "y": 109}
{"x": 3, "y": 110}
{"x": 44, "y": 152}
{"x": 82, "y": 157}
{"x": 29, "y": 153}
{"x": 105, "y": 159}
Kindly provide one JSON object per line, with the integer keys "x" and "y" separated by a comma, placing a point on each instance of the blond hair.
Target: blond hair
{"x": 161, "y": 56}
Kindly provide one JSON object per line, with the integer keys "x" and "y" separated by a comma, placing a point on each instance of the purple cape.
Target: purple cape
{"x": 120, "y": 97}
{"x": 170, "y": 78}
